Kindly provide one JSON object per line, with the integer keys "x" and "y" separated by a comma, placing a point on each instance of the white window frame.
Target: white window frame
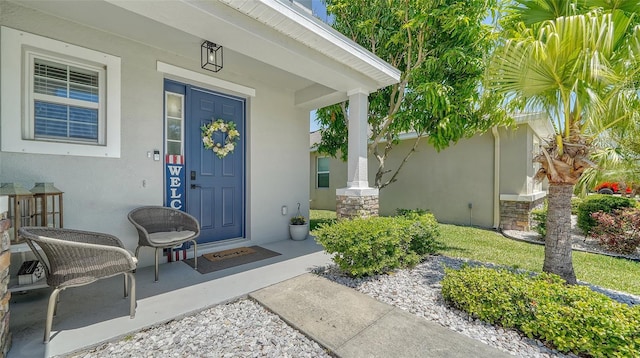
{"x": 166, "y": 122}
{"x": 31, "y": 97}
{"x": 318, "y": 172}
{"x": 17, "y": 50}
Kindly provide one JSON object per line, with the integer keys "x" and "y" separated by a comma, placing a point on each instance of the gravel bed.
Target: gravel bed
{"x": 418, "y": 291}
{"x": 245, "y": 329}
{"x": 238, "y": 329}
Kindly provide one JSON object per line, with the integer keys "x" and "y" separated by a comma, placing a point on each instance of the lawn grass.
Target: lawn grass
{"x": 317, "y": 217}
{"x": 489, "y": 246}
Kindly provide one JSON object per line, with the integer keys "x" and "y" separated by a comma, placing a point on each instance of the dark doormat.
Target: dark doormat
{"x": 231, "y": 258}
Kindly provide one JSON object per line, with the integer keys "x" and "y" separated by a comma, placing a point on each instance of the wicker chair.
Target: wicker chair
{"x": 74, "y": 258}
{"x": 164, "y": 228}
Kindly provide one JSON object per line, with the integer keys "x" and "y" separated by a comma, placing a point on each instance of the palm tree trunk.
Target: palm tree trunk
{"x": 557, "y": 247}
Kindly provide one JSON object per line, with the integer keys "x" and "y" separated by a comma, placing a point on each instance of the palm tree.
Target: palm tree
{"x": 578, "y": 63}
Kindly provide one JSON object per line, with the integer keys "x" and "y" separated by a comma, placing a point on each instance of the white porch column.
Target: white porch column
{"x": 357, "y": 199}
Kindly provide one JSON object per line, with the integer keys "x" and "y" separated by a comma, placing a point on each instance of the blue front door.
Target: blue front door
{"x": 215, "y": 186}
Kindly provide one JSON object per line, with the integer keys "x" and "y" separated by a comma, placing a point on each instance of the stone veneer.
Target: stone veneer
{"x": 516, "y": 215}
{"x": 349, "y": 207}
{"x": 5, "y": 295}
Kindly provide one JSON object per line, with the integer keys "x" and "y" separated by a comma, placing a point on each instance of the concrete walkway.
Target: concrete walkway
{"x": 352, "y": 324}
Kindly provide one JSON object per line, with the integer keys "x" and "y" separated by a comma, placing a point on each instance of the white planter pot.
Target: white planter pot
{"x": 298, "y": 232}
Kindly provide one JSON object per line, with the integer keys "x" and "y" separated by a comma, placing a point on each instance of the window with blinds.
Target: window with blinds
{"x": 67, "y": 101}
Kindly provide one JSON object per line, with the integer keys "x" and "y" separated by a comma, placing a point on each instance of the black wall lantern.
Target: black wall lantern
{"x": 211, "y": 56}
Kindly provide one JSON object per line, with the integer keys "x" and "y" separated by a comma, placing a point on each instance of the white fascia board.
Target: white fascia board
{"x": 182, "y": 73}
{"x": 538, "y": 121}
{"x": 523, "y": 197}
{"x": 313, "y": 32}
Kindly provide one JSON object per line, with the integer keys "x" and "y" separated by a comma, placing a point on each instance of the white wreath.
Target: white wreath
{"x": 231, "y": 138}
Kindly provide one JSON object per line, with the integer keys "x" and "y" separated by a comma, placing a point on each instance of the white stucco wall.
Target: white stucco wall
{"x": 99, "y": 192}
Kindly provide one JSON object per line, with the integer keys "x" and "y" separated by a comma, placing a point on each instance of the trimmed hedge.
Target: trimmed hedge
{"x": 575, "y": 203}
{"x": 568, "y": 318}
{"x": 599, "y": 202}
{"x": 377, "y": 245}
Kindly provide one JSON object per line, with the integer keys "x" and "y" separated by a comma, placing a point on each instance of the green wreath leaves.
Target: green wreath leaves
{"x": 231, "y": 138}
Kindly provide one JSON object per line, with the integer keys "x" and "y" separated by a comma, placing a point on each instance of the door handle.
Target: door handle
{"x": 193, "y": 186}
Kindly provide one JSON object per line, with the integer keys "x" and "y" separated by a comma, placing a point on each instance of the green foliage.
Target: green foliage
{"x": 575, "y": 203}
{"x": 424, "y": 233}
{"x": 377, "y": 245}
{"x": 569, "y": 318}
{"x": 540, "y": 217}
{"x": 318, "y": 217}
{"x": 298, "y": 220}
{"x": 599, "y": 202}
{"x": 439, "y": 47}
{"x": 411, "y": 212}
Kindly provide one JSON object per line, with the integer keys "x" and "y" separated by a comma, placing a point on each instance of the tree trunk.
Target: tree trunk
{"x": 557, "y": 248}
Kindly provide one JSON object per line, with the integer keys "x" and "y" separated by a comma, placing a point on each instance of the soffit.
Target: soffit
{"x": 126, "y": 24}
{"x": 275, "y": 33}
{"x": 266, "y": 40}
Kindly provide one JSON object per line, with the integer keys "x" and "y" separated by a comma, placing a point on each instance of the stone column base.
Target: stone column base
{"x": 515, "y": 211}
{"x": 5, "y": 260}
{"x": 357, "y": 203}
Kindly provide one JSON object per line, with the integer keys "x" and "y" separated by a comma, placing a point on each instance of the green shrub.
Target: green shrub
{"x": 599, "y": 202}
{"x": 539, "y": 215}
{"x": 423, "y": 234}
{"x": 377, "y": 245}
{"x": 569, "y": 318}
{"x": 575, "y": 203}
{"x": 490, "y": 295}
{"x": 618, "y": 231}
{"x": 411, "y": 212}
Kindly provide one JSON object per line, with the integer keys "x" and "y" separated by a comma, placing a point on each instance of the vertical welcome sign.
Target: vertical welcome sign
{"x": 175, "y": 181}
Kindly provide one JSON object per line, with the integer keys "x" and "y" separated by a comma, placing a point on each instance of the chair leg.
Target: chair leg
{"x": 137, "y": 250}
{"x": 132, "y": 305}
{"x": 50, "y": 309}
{"x": 55, "y": 307}
{"x": 126, "y": 284}
{"x": 195, "y": 254}
{"x": 156, "y": 264}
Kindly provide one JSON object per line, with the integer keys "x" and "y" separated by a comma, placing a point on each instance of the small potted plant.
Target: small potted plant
{"x": 298, "y": 226}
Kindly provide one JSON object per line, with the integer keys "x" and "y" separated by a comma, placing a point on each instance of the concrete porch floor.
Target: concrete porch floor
{"x": 98, "y": 312}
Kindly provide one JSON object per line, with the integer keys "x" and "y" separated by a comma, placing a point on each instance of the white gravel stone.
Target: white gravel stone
{"x": 245, "y": 329}
{"x": 239, "y": 329}
{"x": 419, "y": 291}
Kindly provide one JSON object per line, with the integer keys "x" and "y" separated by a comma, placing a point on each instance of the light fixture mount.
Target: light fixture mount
{"x": 211, "y": 56}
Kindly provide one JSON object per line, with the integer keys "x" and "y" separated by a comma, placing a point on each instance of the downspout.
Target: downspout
{"x": 496, "y": 177}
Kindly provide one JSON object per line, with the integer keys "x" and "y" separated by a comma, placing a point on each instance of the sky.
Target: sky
{"x": 313, "y": 126}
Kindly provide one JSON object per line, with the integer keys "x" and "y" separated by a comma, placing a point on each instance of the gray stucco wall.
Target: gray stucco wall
{"x": 516, "y": 157}
{"x": 445, "y": 182}
{"x": 99, "y": 192}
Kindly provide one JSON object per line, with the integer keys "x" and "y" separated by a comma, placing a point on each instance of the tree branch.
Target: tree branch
{"x": 404, "y": 160}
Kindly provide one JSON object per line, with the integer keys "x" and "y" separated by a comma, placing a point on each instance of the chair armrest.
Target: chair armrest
{"x": 76, "y": 257}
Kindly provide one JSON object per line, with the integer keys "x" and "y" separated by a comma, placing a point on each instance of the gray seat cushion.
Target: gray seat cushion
{"x": 167, "y": 237}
